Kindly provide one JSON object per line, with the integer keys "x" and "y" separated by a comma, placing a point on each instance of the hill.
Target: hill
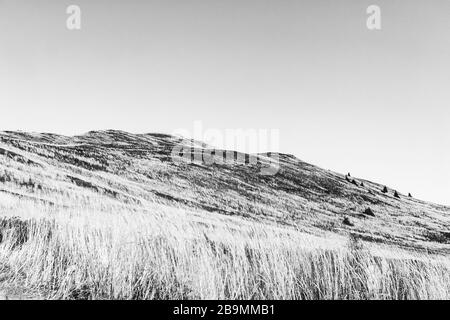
{"x": 107, "y": 177}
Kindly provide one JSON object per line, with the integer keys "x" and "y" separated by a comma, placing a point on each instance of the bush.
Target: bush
{"x": 396, "y": 194}
{"x": 385, "y": 189}
{"x": 369, "y": 212}
{"x": 347, "y": 222}
{"x": 14, "y": 228}
{"x": 5, "y": 177}
{"x": 29, "y": 183}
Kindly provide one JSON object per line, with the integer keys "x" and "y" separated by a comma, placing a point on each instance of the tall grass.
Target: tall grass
{"x": 170, "y": 254}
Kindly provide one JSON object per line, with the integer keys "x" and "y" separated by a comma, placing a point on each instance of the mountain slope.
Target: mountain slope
{"x": 136, "y": 170}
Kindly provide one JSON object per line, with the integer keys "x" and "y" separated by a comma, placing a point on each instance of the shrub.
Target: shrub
{"x": 14, "y": 228}
{"x": 5, "y": 177}
{"x": 396, "y": 194}
{"x": 347, "y": 222}
{"x": 385, "y": 189}
{"x": 29, "y": 183}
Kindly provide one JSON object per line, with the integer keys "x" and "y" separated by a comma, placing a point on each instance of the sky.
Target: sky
{"x": 375, "y": 103}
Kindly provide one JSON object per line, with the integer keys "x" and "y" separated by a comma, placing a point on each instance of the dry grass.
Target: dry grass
{"x": 93, "y": 221}
{"x": 163, "y": 253}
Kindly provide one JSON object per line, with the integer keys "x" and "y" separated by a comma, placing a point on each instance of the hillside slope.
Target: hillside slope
{"x": 137, "y": 169}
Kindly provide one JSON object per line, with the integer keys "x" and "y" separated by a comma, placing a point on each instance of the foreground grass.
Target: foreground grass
{"x": 169, "y": 254}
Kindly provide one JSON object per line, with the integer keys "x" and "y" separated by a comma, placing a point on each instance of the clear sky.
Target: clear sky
{"x": 373, "y": 103}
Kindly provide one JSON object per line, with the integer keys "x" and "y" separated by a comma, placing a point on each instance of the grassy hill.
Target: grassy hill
{"x": 110, "y": 215}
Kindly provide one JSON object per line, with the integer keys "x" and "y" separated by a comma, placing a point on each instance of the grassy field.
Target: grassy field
{"x": 109, "y": 215}
{"x": 165, "y": 253}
